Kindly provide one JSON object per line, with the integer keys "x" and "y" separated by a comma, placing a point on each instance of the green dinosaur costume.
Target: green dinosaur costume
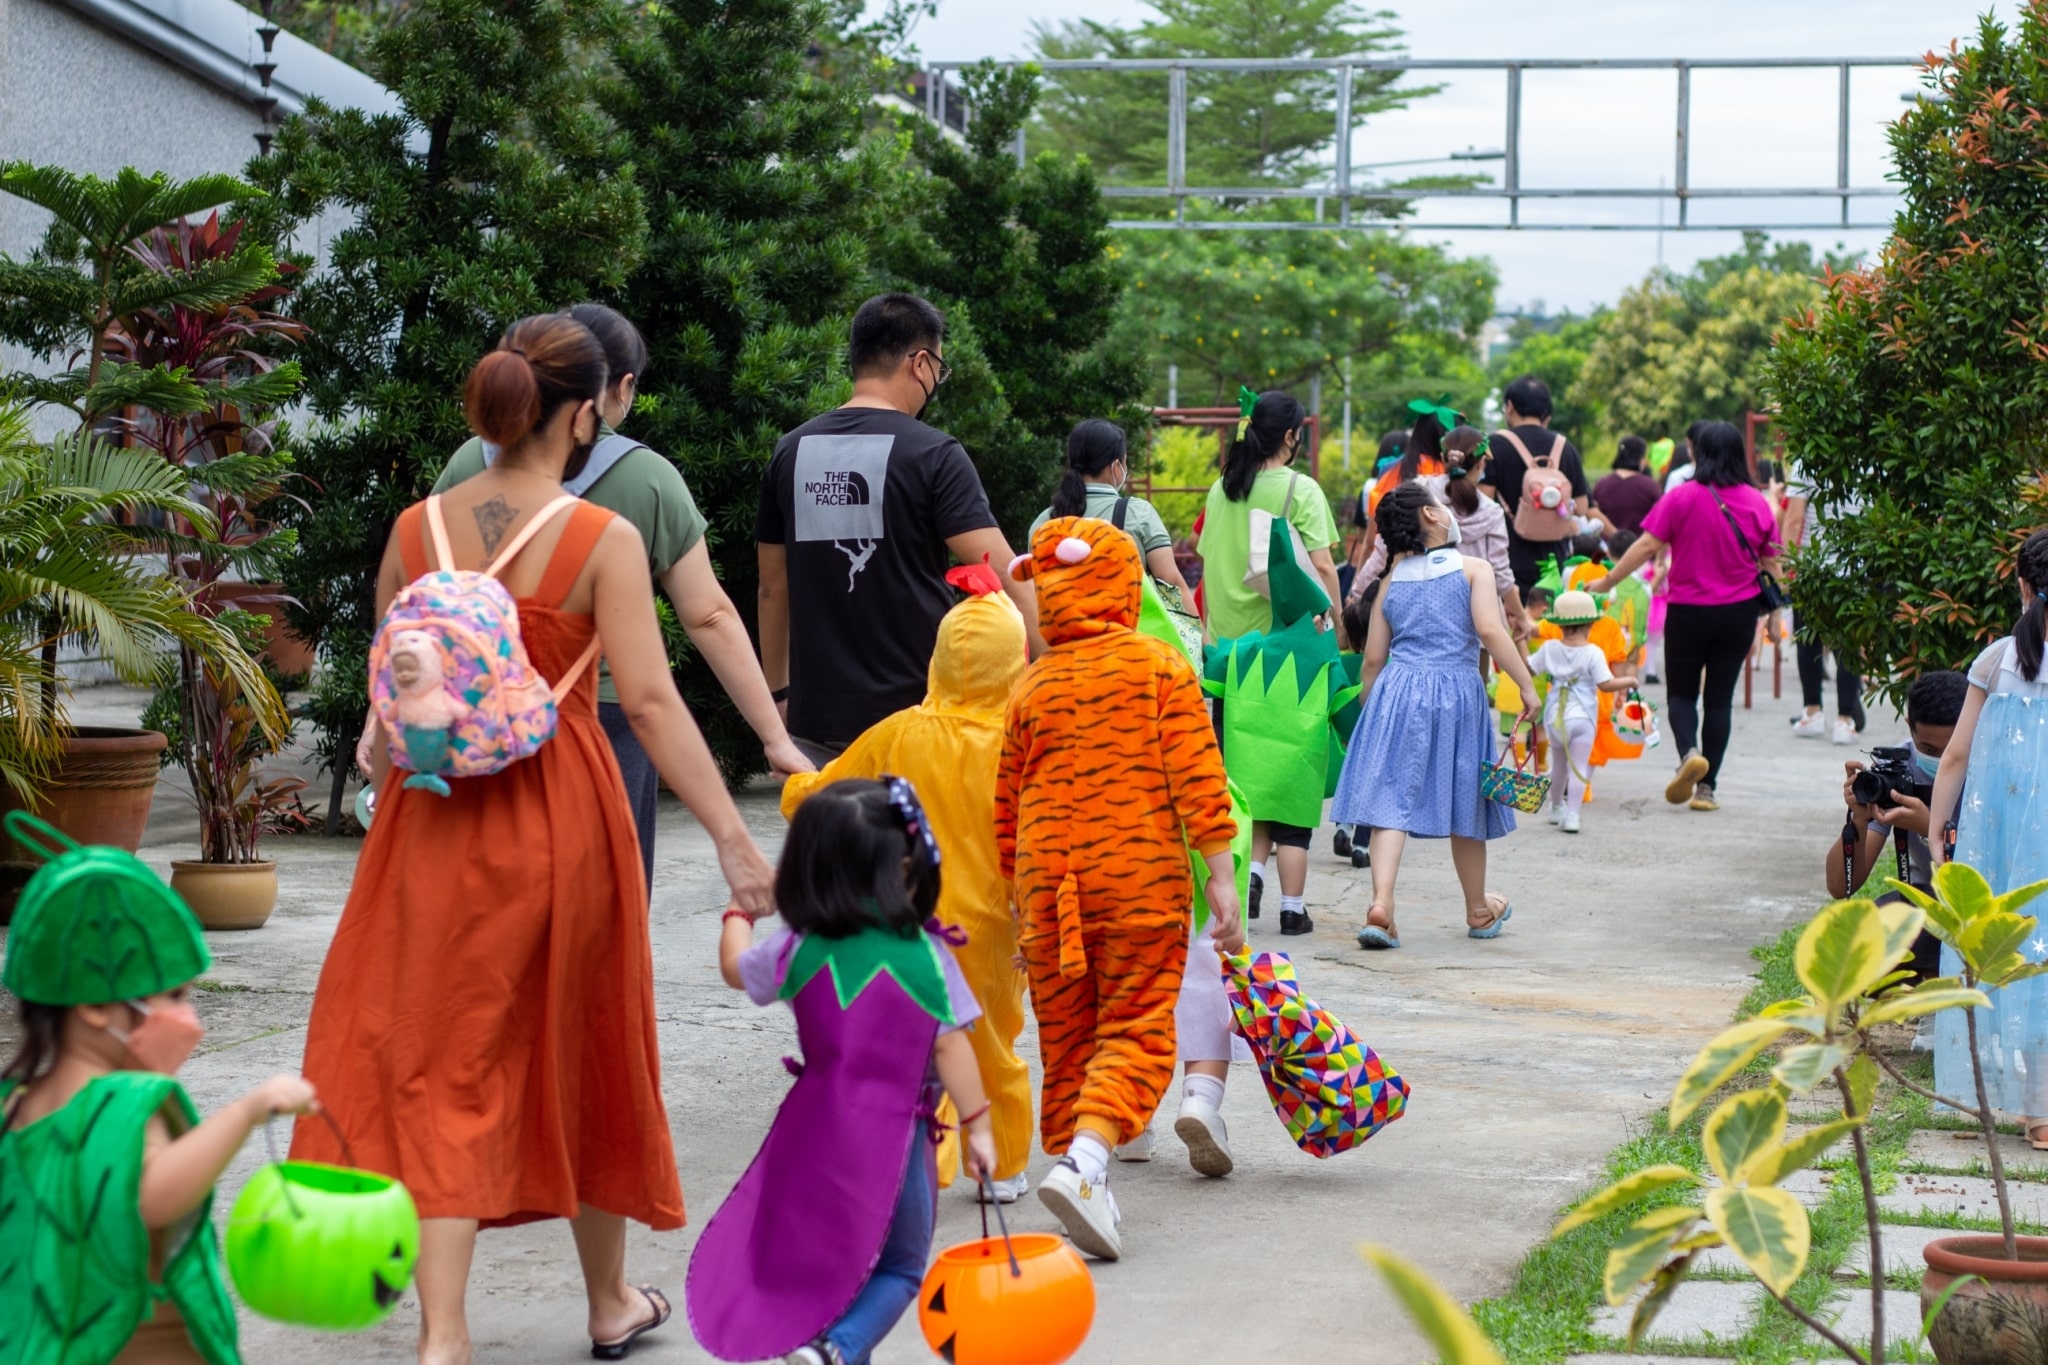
{"x": 93, "y": 926}
{"x": 1290, "y": 699}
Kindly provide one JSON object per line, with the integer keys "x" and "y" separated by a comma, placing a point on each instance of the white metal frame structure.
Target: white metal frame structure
{"x": 1342, "y": 189}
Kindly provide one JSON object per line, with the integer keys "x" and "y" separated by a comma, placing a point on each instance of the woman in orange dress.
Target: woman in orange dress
{"x": 484, "y": 1024}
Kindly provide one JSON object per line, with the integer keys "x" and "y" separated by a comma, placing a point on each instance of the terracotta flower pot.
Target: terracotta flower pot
{"x": 2001, "y": 1317}
{"x": 101, "y": 789}
{"x": 227, "y": 895}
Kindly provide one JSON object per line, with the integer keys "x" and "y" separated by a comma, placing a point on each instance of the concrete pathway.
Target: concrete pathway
{"x": 1530, "y": 1056}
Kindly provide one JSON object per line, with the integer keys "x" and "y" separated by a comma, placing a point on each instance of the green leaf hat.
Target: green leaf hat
{"x": 95, "y": 925}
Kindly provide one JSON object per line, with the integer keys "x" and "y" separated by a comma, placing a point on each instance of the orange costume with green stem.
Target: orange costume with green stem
{"x": 948, "y": 746}
{"x": 1110, "y": 772}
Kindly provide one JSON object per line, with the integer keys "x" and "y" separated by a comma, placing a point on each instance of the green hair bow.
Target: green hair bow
{"x": 1552, "y": 578}
{"x": 1246, "y": 399}
{"x": 1439, "y": 407}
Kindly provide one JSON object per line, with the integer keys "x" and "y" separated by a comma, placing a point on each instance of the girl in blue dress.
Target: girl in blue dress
{"x": 1413, "y": 766}
{"x": 1997, "y": 762}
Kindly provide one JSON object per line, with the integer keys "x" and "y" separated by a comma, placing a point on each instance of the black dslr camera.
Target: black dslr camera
{"x": 1891, "y": 770}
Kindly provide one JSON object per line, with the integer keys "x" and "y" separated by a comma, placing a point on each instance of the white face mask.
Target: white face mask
{"x": 1456, "y": 534}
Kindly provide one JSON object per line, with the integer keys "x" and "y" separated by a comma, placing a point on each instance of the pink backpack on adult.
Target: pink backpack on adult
{"x": 1545, "y": 511}
{"x": 453, "y": 689}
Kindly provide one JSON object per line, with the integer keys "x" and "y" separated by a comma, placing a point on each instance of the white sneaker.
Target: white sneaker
{"x": 1138, "y": 1148}
{"x": 1208, "y": 1141}
{"x": 1570, "y": 823}
{"x": 1811, "y": 726}
{"x": 1556, "y": 816}
{"x": 1087, "y": 1211}
{"x": 1845, "y": 732}
{"x": 1007, "y": 1191}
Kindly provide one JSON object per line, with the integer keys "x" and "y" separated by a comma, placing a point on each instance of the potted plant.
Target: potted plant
{"x": 228, "y": 886}
{"x": 70, "y": 570}
{"x": 117, "y": 296}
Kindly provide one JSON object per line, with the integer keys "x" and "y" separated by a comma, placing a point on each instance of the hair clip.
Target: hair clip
{"x": 1246, "y": 399}
{"x": 903, "y": 800}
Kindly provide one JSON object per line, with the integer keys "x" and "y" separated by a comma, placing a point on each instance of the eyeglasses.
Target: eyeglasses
{"x": 944, "y": 370}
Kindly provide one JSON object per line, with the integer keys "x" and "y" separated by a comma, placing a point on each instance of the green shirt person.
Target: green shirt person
{"x": 645, "y": 489}
{"x": 1092, "y": 485}
{"x": 1257, "y": 477}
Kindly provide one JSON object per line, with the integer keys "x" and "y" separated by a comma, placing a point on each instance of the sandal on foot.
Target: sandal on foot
{"x": 1490, "y": 929}
{"x": 1378, "y": 936}
{"x": 616, "y": 1350}
{"x": 2037, "y": 1136}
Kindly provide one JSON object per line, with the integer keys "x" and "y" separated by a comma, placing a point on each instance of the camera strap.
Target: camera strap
{"x": 1848, "y": 856}
{"x": 1905, "y": 861}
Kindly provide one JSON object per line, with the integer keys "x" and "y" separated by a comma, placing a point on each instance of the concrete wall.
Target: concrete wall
{"x": 77, "y": 95}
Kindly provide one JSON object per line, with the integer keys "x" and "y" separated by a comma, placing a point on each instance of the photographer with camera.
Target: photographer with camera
{"x": 1888, "y": 801}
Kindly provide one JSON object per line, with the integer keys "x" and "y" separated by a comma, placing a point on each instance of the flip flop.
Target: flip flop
{"x": 1492, "y": 928}
{"x": 2038, "y": 1143}
{"x": 616, "y": 1350}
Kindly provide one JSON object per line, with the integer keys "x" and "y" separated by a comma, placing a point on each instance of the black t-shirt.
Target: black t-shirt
{"x": 1508, "y": 467}
{"x": 1626, "y": 499}
{"x": 863, "y": 500}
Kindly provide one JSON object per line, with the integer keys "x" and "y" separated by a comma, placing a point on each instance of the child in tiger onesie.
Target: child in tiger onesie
{"x": 948, "y": 746}
{"x": 1109, "y": 774}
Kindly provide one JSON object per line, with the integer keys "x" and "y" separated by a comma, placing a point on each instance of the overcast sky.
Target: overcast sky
{"x": 1773, "y": 129}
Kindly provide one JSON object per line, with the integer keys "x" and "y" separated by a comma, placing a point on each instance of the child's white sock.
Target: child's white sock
{"x": 1292, "y": 905}
{"x": 1208, "y": 1089}
{"x": 1091, "y": 1154}
{"x": 1259, "y": 871}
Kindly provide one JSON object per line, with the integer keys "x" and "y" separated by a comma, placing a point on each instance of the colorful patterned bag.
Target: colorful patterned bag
{"x": 1524, "y": 791}
{"x": 449, "y": 678}
{"x": 1633, "y": 718}
{"x": 1330, "y": 1090}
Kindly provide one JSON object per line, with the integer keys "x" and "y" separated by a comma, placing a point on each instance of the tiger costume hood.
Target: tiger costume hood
{"x": 1088, "y": 577}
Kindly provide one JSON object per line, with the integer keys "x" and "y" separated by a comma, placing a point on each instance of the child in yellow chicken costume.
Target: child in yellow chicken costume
{"x": 1110, "y": 773}
{"x": 948, "y": 747}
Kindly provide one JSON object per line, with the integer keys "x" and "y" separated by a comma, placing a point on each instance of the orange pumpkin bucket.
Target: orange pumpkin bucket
{"x": 1027, "y": 1300}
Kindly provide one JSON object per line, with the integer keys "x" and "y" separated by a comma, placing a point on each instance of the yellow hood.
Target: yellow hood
{"x": 979, "y": 656}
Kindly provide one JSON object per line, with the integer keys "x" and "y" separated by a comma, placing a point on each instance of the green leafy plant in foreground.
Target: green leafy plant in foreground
{"x": 1847, "y": 964}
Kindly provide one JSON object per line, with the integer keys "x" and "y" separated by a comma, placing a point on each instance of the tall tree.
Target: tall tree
{"x": 481, "y": 201}
{"x": 762, "y": 196}
{"x": 1023, "y": 256}
{"x": 1244, "y": 128}
{"x": 1915, "y": 394}
{"x": 1554, "y": 349}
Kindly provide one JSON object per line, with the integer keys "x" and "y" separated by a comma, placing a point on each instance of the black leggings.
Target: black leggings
{"x": 1709, "y": 642}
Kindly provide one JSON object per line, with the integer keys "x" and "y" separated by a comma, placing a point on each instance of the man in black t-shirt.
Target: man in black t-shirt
{"x": 862, "y": 512}
{"x": 1528, "y": 415}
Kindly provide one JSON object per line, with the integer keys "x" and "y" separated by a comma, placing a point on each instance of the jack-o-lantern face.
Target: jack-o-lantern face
{"x": 322, "y": 1246}
{"x": 975, "y": 1311}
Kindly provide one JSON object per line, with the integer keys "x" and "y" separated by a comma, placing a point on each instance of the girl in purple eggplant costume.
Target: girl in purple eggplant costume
{"x": 881, "y": 1014}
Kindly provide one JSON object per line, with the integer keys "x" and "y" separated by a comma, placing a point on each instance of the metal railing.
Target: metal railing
{"x": 1342, "y": 188}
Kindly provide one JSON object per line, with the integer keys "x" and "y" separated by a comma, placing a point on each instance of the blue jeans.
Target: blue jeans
{"x": 892, "y": 1289}
{"x": 643, "y": 784}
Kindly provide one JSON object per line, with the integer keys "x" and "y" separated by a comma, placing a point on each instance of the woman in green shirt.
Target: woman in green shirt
{"x": 1098, "y": 467}
{"x": 1256, "y": 476}
{"x": 645, "y": 489}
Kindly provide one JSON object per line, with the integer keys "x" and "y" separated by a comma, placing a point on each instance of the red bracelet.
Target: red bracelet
{"x": 735, "y": 913}
{"x": 966, "y": 1119}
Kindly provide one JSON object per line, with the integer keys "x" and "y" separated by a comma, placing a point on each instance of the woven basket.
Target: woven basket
{"x": 1523, "y": 791}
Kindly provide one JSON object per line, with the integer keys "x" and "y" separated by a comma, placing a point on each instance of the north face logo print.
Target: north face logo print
{"x": 841, "y": 485}
{"x": 839, "y": 488}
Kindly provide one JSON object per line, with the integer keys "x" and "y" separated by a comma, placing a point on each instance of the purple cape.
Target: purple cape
{"x": 784, "y": 1256}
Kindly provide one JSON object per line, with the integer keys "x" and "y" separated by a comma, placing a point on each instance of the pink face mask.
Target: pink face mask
{"x": 164, "y": 1039}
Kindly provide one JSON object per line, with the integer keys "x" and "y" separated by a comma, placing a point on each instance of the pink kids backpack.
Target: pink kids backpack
{"x": 450, "y": 682}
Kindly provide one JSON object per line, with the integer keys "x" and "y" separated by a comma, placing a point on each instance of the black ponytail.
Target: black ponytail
{"x": 1092, "y": 446}
{"x": 1273, "y": 416}
{"x": 1399, "y": 519}
{"x": 1426, "y": 437}
{"x": 2032, "y": 629}
{"x": 1462, "y": 459}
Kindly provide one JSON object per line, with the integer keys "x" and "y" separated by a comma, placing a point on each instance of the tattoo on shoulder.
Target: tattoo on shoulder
{"x": 493, "y": 519}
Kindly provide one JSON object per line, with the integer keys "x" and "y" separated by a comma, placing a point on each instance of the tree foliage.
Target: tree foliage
{"x": 1244, "y": 128}
{"x": 1021, "y": 255}
{"x": 1274, "y": 309}
{"x": 761, "y": 195}
{"x": 483, "y": 200}
{"x": 1678, "y": 348}
{"x": 1915, "y": 394}
{"x": 1554, "y": 349}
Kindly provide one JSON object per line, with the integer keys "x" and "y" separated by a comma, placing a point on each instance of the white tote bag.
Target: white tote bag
{"x": 1259, "y": 565}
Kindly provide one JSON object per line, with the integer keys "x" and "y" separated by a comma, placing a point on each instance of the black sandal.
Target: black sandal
{"x": 616, "y": 1350}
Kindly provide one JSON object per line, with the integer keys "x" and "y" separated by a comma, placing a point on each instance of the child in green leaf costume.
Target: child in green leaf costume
{"x": 107, "y": 1252}
{"x": 1289, "y": 699}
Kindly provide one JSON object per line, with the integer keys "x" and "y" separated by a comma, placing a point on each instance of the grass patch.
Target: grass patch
{"x": 1547, "y": 1312}
{"x": 212, "y": 987}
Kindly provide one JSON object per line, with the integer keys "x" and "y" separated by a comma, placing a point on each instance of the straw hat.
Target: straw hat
{"x": 1574, "y": 608}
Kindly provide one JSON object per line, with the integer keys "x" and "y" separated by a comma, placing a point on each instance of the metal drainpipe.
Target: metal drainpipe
{"x": 268, "y": 104}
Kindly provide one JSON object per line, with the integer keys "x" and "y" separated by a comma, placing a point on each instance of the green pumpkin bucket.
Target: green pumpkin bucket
{"x": 322, "y": 1246}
